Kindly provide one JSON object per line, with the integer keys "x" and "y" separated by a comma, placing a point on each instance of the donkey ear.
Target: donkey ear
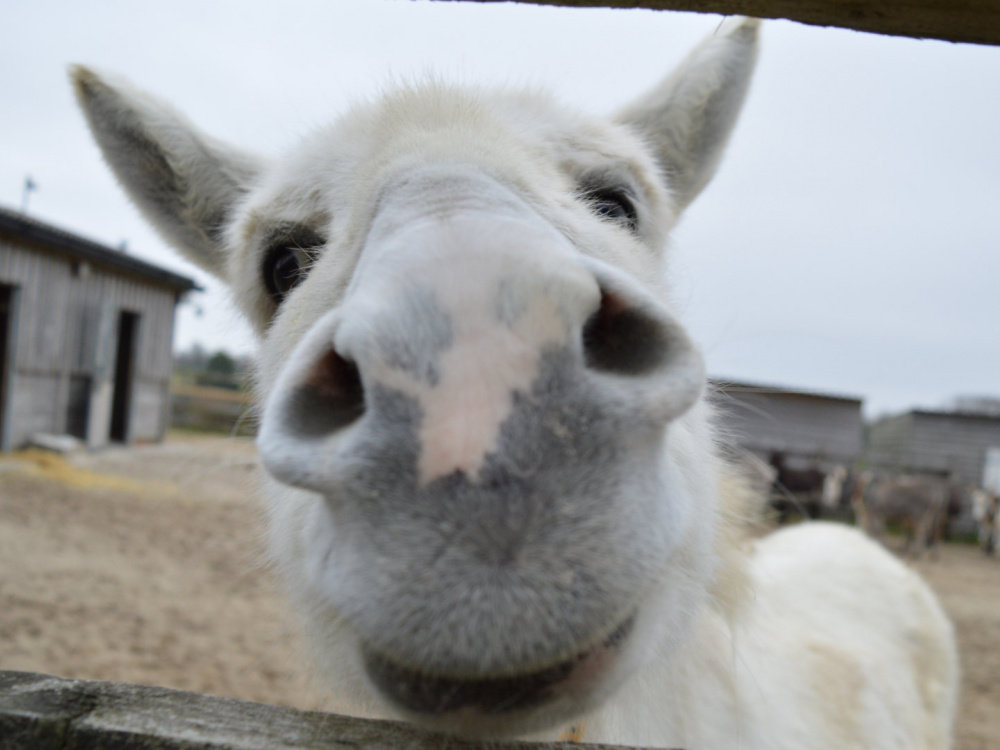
{"x": 184, "y": 181}
{"x": 687, "y": 119}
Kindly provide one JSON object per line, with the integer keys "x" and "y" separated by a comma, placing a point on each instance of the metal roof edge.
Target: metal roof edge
{"x": 943, "y": 413}
{"x": 954, "y": 414}
{"x": 17, "y": 226}
{"x": 742, "y": 386}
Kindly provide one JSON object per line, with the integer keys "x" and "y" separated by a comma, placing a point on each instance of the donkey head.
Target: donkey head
{"x": 491, "y": 483}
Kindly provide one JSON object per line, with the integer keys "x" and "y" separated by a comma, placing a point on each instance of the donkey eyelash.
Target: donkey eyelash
{"x": 287, "y": 264}
{"x": 611, "y": 201}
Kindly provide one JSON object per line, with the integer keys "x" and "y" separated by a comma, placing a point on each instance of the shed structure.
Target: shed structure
{"x": 812, "y": 430}
{"x": 963, "y": 446}
{"x": 85, "y": 337}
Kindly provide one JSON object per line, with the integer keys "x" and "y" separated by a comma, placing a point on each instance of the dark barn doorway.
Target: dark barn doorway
{"x": 6, "y": 324}
{"x": 78, "y": 406}
{"x": 121, "y": 401}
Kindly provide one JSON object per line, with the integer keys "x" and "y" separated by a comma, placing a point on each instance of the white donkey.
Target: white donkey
{"x": 494, "y": 488}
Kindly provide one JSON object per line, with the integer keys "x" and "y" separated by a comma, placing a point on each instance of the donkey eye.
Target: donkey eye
{"x": 292, "y": 249}
{"x": 613, "y": 204}
{"x": 284, "y": 268}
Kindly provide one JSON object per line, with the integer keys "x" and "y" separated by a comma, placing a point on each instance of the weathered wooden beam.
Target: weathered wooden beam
{"x": 39, "y": 712}
{"x": 976, "y": 21}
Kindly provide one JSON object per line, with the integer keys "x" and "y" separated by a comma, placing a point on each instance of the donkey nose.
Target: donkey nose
{"x": 452, "y": 318}
{"x": 443, "y": 381}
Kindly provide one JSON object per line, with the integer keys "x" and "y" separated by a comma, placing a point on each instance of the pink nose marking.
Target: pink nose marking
{"x": 479, "y": 374}
{"x": 472, "y": 263}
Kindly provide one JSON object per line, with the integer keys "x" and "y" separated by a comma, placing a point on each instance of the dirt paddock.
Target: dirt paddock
{"x": 143, "y": 565}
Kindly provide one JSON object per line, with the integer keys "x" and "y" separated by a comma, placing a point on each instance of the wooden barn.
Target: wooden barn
{"x": 85, "y": 337}
{"x": 812, "y": 430}
{"x": 963, "y": 446}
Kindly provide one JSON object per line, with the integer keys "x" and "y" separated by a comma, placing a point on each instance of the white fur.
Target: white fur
{"x": 811, "y": 638}
{"x": 841, "y": 647}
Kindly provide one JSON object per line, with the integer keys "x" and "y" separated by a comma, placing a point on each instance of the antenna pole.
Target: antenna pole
{"x": 29, "y": 185}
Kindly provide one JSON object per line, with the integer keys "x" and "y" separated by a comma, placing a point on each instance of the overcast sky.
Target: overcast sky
{"x": 850, "y": 242}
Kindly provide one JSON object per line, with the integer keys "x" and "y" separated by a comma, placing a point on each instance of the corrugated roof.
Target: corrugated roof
{"x": 940, "y": 414}
{"x": 954, "y": 414}
{"x": 18, "y": 227}
{"x": 736, "y": 386}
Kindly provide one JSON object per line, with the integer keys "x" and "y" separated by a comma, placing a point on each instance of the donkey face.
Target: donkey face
{"x": 490, "y": 485}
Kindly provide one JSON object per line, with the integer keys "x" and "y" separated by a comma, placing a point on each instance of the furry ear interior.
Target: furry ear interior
{"x": 184, "y": 181}
{"x": 688, "y": 118}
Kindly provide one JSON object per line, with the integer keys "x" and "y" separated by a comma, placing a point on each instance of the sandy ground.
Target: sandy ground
{"x": 968, "y": 584}
{"x": 143, "y": 565}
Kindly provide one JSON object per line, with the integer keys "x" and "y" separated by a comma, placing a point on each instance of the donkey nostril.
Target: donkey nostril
{"x": 330, "y": 398}
{"x": 623, "y": 339}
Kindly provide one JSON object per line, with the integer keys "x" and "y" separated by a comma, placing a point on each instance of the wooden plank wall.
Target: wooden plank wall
{"x": 951, "y": 444}
{"x": 58, "y": 315}
{"x": 817, "y": 430}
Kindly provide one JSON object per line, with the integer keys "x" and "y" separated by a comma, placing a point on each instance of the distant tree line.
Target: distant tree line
{"x": 218, "y": 369}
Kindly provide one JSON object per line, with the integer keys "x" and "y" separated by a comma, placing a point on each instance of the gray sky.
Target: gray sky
{"x": 850, "y": 242}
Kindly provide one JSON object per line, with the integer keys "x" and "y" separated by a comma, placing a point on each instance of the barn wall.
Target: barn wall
{"x": 33, "y": 406}
{"x": 889, "y": 443}
{"x": 814, "y": 429}
{"x": 64, "y": 309}
{"x": 952, "y": 444}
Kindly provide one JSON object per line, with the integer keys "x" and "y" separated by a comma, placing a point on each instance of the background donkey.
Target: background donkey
{"x": 493, "y": 485}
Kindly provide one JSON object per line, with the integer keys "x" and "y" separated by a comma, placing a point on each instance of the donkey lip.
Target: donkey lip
{"x": 432, "y": 695}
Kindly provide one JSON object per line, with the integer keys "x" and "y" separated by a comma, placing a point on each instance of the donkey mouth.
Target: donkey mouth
{"x": 434, "y": 696}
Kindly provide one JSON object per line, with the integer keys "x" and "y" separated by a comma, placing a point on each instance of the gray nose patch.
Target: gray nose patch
{"x": 412, "y": 335}
{"x": 532, "y": 545}
{"x": 552, "y": 425}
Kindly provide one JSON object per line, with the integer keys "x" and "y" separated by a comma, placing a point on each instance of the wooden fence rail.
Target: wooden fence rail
{"x": 976, "y": 21}
{"x": 40, "y": 712}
